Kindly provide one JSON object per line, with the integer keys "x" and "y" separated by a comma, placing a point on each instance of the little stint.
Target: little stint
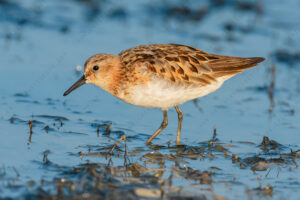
{"x": 161, "y": 76}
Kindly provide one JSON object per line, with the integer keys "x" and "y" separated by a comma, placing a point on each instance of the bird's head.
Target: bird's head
{"x": 98, "y": 70}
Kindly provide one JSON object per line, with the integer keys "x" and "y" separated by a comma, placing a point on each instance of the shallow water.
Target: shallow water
{"x": 66, "y": 155}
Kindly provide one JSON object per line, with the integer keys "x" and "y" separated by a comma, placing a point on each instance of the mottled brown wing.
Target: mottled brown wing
{"x": 184, "y": 64}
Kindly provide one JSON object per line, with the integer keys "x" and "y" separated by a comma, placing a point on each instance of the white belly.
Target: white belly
{"x": 163, "y": 94}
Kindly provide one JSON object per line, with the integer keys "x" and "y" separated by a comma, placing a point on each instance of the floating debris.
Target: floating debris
{"x": 30, "y": 131}
{"x": 267, "y": 144}
{"x": 271, "y": 88}
{"x": 56, "y": 118}
{"x": 287, "y": 56}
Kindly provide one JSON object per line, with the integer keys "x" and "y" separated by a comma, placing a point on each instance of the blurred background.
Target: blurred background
{"x": 240, "y": 142}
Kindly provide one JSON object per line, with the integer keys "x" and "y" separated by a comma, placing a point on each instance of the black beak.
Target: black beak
{"x": 79, "y": 83}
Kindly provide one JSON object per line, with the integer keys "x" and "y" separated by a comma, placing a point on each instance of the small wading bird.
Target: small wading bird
{"x": 161, "y": 76}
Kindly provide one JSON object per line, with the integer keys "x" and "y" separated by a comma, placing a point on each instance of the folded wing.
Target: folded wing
{"x": 184, "y": 64}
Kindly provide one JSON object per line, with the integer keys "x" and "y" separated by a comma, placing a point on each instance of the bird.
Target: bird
{"x": 161, "y": 76}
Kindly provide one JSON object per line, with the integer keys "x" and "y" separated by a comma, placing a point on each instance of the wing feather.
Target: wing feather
{"x": 184, "y": 64}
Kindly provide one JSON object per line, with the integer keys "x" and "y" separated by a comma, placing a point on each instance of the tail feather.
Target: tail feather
{"x": 228, "y": 64}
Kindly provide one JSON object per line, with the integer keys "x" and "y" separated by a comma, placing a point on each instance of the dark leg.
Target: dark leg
{"x": 180, "y": 117}
{"x": 162, "y": 126}
{"x": 115, "y": 145}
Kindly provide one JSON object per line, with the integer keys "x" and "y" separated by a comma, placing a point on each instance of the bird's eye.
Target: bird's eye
{"x": 95, "y": 68}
